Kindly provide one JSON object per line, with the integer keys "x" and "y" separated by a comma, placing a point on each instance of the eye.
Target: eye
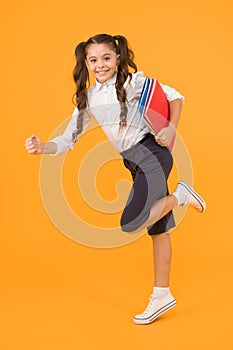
{"x": 107, "y": 58}
{"x": 92, "y": 60}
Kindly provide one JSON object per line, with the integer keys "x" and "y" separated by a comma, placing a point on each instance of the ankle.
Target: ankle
{"x": 175, "y": 198}
{"x": 160, "y": 292}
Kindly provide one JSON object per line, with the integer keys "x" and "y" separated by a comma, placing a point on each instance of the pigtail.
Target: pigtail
{"x": 81, "y": 77}
{"x": 126, "y": 60}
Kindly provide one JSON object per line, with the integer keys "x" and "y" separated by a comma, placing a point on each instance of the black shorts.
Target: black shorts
{"x": 150, "y": 165}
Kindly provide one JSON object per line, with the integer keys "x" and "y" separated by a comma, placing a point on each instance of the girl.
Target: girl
{"x": 113, "y": 102}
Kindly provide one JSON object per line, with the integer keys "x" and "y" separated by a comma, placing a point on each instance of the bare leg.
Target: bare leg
{"x": 159, "y": 210}
{"x": 162, "y": 259}
{"x": 161, "y": 299}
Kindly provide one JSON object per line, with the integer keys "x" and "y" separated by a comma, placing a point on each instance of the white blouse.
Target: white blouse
{"x": 104, "y": 106}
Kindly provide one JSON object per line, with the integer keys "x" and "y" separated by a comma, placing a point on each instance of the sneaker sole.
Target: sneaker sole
{"x": 195, "y": 195}
{"x": 158, "y": 313}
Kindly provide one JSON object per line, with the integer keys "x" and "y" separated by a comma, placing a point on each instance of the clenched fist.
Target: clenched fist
{"x": 33, "y": 145}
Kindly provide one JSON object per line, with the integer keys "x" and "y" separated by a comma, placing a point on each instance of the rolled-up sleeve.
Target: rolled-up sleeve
{"x": 171, "y": 93}
{"x": 65, "y": 142}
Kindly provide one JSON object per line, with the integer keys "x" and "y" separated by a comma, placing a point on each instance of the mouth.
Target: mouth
{"x": 102, "y": 72}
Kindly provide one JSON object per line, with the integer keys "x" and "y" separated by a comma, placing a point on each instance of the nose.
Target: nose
{"x": 100, "y": 64}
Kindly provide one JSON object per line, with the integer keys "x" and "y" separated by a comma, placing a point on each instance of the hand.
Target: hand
{"x": 165, "y": 136}
{"x": 33, "y": 145}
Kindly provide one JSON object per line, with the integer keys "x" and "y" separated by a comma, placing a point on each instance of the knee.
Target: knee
{"x": 127, "y": 226}
{"x": 160, "y": 237}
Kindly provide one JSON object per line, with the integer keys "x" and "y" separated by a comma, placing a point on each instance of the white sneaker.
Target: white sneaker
{"x": 155, "y": 308}
{"x": 187, "y": 196}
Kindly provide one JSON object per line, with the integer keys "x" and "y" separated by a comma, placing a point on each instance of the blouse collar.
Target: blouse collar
{"x": 110, "y": 81}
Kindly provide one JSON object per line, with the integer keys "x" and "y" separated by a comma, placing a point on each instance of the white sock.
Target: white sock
{"x": 180, "y": 197}
{"x": 159, "y": 292}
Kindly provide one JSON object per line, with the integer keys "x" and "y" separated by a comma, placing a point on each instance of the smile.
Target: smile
{"x": 102, "y": 71}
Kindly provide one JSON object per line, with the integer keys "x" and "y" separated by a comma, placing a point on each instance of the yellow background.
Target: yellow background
{"x": 57, "y": 294}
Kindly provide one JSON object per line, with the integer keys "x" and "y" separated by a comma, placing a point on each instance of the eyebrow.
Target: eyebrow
{"x": 106, "y": 54}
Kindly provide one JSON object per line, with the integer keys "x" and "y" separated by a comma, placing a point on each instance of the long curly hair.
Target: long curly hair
{"x": 119, "y": 45}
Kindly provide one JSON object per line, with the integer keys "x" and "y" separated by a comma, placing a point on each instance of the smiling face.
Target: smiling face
{"x": 102, "y": 61}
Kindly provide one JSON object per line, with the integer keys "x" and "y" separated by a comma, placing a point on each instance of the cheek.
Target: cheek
{"x": 113, "y": 65}
{"x": 90, "y": 67}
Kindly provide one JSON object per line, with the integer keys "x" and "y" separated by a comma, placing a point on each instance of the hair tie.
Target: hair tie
{"x": 116, "y": 38}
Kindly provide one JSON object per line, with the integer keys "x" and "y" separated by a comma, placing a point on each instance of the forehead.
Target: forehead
{"x": 99, "y": 50}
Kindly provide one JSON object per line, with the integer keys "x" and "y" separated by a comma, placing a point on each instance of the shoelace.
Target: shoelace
{"x": 150, "y": 305}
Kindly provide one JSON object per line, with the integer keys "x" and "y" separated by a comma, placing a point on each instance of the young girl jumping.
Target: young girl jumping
{"x": 113, "y": 102}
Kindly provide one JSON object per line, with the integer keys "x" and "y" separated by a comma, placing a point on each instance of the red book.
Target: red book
{"x": 154, "y": 108}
